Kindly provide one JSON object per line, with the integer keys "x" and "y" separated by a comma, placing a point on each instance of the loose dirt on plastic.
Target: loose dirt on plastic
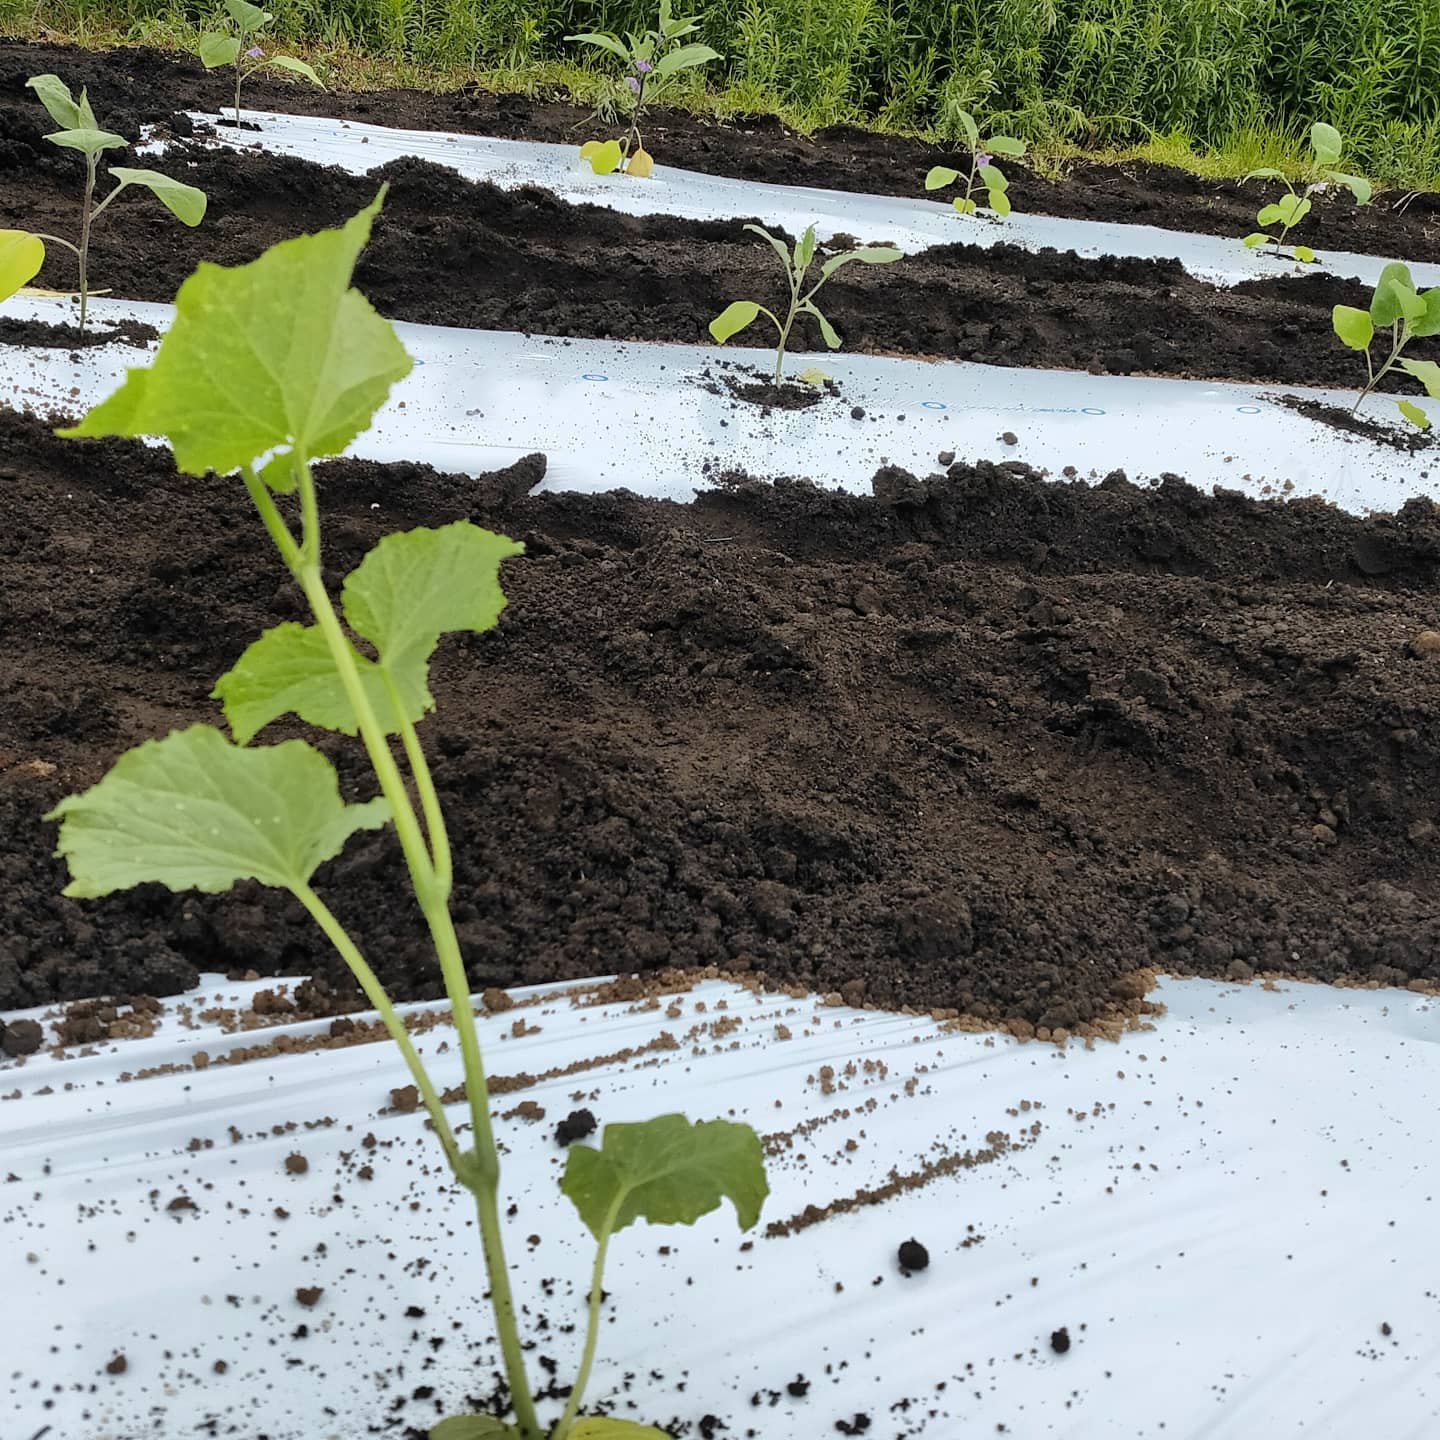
{"x": 985, "y": 744}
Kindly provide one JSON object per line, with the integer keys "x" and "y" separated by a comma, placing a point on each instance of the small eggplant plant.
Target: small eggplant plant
{"x": 239, "y": 46}
{"x": 796, "y": 261}
{"x": 650, "y": 59}
{"x": 983, "y": 173}
{"x": 1326, "y": 146}
{"x": 1407, "y": 314}
{"x": 268, "y": 367}
{"x": 23, "y": 253}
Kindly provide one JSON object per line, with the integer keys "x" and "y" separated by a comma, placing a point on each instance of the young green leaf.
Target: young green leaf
{"x": 994, "y": 178}
{"x": 602, "y": 42}
{"x": 1354, "y": 327}
{"x": 218, "y": 50}
{"x": 1005, "y": 145}
{"x": 1357, "y": 185}
{"x": 248, "y": 17}
{"x": 407, "y": 592}
{"x": 473, "y": 1427}
{"x": 54, "y": 94}
{"x": 88, "y": 141}
{"x": 194, "y": 812}
{"x": 666, "y": 1171}
{"x": 1325, "y": 141}
{"x": 21, "y": 256}
{"x": 999, "y": 202}
{"x": 685, "y": 57}
{"x": 805, "y": 250}
{"x": 776, "y": 244}
{"x": 964, "y": 204}
{"x": 733, "y": 319}
{"x": 939, "y": 176}
{"x": 1429, "y": 322}
{"x": 866, "y": 255}
{"x": 606, "y": 1427}
{"x": 184, "y": 202}
{"x": 1305, "y": 254}
{"x": 295, "y": 67}
{"x": 1427, "y": 372}
{"x": 1259, "y": 237}
{"x": 280, "y": 354}
{"x": 827, "y": 331}
{"x": 1264, "y": 174}
{"x": 604, "y": 155}
{"x": 289, "y": 670}
{"x": 1413, "y": 413}
{"x": 967, "y": 123}
{"x": 1386, "y": 304}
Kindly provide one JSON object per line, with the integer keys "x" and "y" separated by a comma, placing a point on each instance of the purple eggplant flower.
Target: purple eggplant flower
{"x": 254, "y": 53}
{"x": 643, "y": 67}
{"x": 633, "y": 83}
{"x": 982, "y": 160}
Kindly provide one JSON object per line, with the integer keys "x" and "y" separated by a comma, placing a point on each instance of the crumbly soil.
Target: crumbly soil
{"x": 984, "y": 741}
{"x": 142, "y": 85}
{"x": 448, "y": 251}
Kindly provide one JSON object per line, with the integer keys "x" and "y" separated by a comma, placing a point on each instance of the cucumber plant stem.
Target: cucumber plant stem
{"x": 478, "y": 1171}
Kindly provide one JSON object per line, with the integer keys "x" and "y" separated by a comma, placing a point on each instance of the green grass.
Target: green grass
{"x": 1204, "y": 82}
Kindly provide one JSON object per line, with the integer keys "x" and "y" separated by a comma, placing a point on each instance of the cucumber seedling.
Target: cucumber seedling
{"x": 239, "y": 46}
{"x": 983, "y": 173}
{"x": 1291, "y": 208}
{"x": 796, "y": 263}
{"x": 1407, "y": 314}
{"x": 23, "y": 253}
{"x": 267, "y": 368}
{"x": 650, "y": 59}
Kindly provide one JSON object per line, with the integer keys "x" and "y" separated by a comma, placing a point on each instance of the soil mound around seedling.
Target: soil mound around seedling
{"x": 985, "y": 742}
{"x": 1345, "y": 420}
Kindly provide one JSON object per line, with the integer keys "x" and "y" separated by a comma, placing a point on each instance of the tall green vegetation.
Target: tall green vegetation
{"x": 1108, "y": 72}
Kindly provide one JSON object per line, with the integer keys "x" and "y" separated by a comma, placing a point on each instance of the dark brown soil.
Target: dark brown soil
{"x": 1398, "y": 436}
{"x": 985, "y": 742}
{"x": 140, "y": 85}
{"x": 451, "y": 252}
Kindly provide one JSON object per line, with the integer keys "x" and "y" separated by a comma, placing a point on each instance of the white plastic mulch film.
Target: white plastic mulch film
{"x": 1228, "y": 1216}
{"x": 912, "y": 224}
{"x": 661, "y": 420}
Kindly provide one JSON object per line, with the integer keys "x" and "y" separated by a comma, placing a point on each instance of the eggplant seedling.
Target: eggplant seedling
{"x": 650, "y": 59}
{"x": 240, "y": 47}
{"x": 1407, "y": 314}
{"x": 796, "y": 262}
{"x": 23, "y": 253}
{"x": 1291, "y": 208}
{"x": 266, "y": 368}
{"x": 983, "y": 172}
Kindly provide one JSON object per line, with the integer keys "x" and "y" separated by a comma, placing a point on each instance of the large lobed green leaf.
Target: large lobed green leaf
{"x": 277, "y": 355}
{"x": 411, "y": 589}
{"x": 194, "y": 812}
{"x": 666, "y": 1171}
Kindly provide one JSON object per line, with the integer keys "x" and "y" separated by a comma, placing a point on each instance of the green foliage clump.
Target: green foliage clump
{"x": 1407, "y": 314}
